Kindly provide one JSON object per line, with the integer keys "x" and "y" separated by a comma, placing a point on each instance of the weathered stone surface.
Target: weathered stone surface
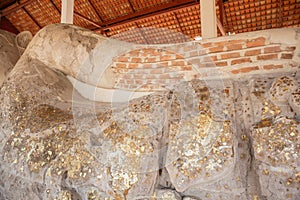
{"x": 166, "y": 195}
{"x": 217, "y": 139}
{"x": 9, "y": 54}
{"x": 201, "y": 138}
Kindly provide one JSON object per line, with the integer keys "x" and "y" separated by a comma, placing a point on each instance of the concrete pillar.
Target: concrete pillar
{"x": 67, "y": 11}
{"x": 208, "y": 18}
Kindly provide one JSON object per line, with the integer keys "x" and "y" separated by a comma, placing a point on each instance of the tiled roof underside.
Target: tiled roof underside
{"x": 239, "y": 16}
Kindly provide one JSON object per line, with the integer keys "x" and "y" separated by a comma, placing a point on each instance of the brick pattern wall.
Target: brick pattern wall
{"x": 155, "y": 67}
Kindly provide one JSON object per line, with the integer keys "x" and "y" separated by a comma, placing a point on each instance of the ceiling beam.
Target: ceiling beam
{"x": 221, "y": 27}
{"x": 95, "y": 10}
{"x": 31, "y": 17}
{"x": 280, "y": 13}
{"x": 78, "y": 15}
{"x": 140, "y": 15}
{"x": 221, "y": 10}
{"x": 177, "y": 22}
{"x": 5, "y": 24}
{"x": 7, "y": 12}
{"x": 87, "y": 19}
{"x": 6, "y": 3}
{"x": 131, "y": 6}
{"x": 55, "y": 7}
{"x": 142, "y": 33}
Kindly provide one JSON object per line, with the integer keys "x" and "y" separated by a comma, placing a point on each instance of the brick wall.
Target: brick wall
{"x": 150, "y": 68}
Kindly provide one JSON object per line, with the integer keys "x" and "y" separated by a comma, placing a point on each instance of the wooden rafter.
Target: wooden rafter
{"x": 141, "y": 33}
{"x": 55, "y": 7}
{"x": 78, "y": 15}
{"x": 87, "y": 19}
{"x": 6, "y": 3}
{"x": 140, "y": 15}
{"x": 95, "y": 10}
{"x": 130, "y": 5}
{"x": 222, "y": 21}
{"x": 221, "y": 28}
{"x": 280, "y": 13}
{"x": 177, "y": 21}
{"x": 32, "y": 18}
{"x": 7, "y": 12}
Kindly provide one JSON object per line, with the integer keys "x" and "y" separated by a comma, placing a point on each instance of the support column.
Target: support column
{"x": 208, "y": 18}
{"x": 67, "y": 11}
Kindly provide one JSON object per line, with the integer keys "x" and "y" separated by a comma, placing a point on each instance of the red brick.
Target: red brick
{"x": 149, "y": 51}
{"x": 229, "y": 42}
{"x": 178, "y": 63}
{"x": 230, "y": 55}
{"x": 268, "y": 67}
{"x": 164, "y": 76}
{"x": 121, "y": 65}
{"x": 252, "y": 52}
{"x": 130, "y": 81}
{"x": 209, "y": 58}
{"x": 216, "y": 49}
{"x": 134, "y": 53}
{"x": 156, "y": 71}
{"x": 166, "y": 58}
{"x": 195, "y": 61}
{"x": 138, "y": 76}
{"x": 244, "y": 70}
{"x": 126, "y": 76}
{"x": 164, "y": 64}
{"x": 138, "y": 81}
{"x": 136, "y": 60}
{"x": 256, "y": 42}
{"x": 241, "y": 60}
{"x": 221, "y": 64}
{"x": 189, "y": 48}
{"x": 194, "y": 53}
{"x": 150, "y": 76}
{"x": 133, "y": 65}
{"x": 231, "y": 47}
{"x": 286, "y": 56}
{"x": 186, "y": 68}
{"x": 291, "y": 48}
{"x": 206, "y": 45}
{"x": 178, "y": 56}
{"x": 267, "y": 57}
{"x": 272, "y": 49}
{"x": 206, "y": 65}
{"x": 147, "y": 66}
{"x": 150, "y": 60}
{"x": 122, "y": 59}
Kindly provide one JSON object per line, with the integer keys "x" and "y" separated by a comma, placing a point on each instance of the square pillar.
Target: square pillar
{"x": 67, "y": 11}
{"x": 208, "y": 18}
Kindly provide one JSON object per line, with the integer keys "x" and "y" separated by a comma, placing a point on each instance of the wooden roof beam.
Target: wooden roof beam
{"x": 131, "y": 6}
{"x": 221, "y": 27}
{"x": 7, "y": 12}
{"x": 95, "y": 10}
{"x": 141, "y": 32}
{"x": 78, "y": 15}
{"x": 87, "y": 19}
{"x": 140, "y": 15}
{"x": 177, "y": 21}
{"x": 31, "y": 17}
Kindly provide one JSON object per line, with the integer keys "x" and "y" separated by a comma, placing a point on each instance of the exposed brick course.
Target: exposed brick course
{"x": 153, "y": 68}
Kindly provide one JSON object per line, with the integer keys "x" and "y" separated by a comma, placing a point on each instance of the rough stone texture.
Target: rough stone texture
{"x": 234, "y": 139}
{"x": 9, "y": 54}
